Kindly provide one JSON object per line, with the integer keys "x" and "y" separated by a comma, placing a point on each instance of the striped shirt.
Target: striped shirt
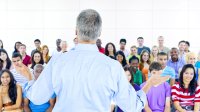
{"x": 184, "y": 97}
{"x": 21, "y": 79}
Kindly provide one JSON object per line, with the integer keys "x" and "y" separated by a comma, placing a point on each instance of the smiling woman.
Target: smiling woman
{"x": 186, "y": 93}
{"x": 11, "y": 93}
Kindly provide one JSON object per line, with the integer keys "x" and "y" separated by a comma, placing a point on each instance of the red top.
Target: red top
{"x": 184, "y": 97}
{"x": 27, "y": 60}
{"x": 102, "y": 50}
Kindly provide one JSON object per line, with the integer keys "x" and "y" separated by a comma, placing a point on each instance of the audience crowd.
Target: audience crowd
{"x": 181, "y": 93}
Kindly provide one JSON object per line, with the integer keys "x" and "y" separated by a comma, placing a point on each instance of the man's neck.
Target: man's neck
{"x": 86, "y": 42}
{"x": 181, "y": 52}
{"x": 141, "y": 46}
{"x": 160, "y": 45}
{"x": 122, "y": 49}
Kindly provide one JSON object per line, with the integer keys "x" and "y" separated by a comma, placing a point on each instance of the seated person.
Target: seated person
{"x": 158, "y": 96}
{"x": 186, "y": 92}
{"x": 28, "y": 105}
{"x": 21, "y": 72}
{"x": 10, "y": 93}
{"x": 162, "y": 59}
{"x": 130, "y": 79}
{"x": 135, "y": 72}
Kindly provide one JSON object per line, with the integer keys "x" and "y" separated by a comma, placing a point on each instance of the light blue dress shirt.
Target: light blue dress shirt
{"x": 85, "y": 80}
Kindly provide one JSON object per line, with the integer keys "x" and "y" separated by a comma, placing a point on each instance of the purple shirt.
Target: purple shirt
{"x": 156, "y": 96}
{"x": 176, "y": 66}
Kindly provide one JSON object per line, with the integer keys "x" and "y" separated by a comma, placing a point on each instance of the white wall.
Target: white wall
{"x": 26, "y": 20}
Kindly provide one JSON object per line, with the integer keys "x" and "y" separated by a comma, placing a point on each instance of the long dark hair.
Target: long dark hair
{"x": 32, "y": 59}
{"x": 124, "y": 58}
{"x": 12, "y": 91}
{"x": 9, "y": 63}
{"x": 127, "y": 68}
{"x": 106, "y": 49}
{"x": 193, "y": 84}
{"x": 2, "y": 44}
{"x": 15, "y": 48}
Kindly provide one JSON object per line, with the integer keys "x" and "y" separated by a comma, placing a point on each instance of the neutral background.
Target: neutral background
{"x": 26, "y": 20}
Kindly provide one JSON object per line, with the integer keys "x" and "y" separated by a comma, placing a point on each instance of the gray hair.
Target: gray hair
{"x": 38, "y": 68}
{"x": 88, "y": 25}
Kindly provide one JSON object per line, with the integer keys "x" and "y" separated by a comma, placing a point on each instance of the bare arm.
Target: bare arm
{"x": 172, "y": 82}
{"x": 147, "y": 108}
{"x": 1, "y": 103}
{"x": 52, "y": 103}
{"x": 178, "y": 107}
{"x": 18, "y": 100}
{"x": 167, "y": 105}
{"x": 26, "y": 105}
{"x": 196, "y": 106}
{"x": 154, "y": 80}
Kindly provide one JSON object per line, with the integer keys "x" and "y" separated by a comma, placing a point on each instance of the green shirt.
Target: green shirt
{"x": 137, "y": 77}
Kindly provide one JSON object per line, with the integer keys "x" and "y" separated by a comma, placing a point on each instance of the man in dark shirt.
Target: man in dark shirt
{"x": 141, "y": 46}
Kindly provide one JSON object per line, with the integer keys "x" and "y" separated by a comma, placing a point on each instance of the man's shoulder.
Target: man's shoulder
{"x": 168, "y": 68}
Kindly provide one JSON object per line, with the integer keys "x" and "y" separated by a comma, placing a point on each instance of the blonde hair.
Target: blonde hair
{"x": 47, "y": 55}
{"x": 188, "y": 55}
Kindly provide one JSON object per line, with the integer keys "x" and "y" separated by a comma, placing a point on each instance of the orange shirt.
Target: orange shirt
{"x": 145, "y": 73}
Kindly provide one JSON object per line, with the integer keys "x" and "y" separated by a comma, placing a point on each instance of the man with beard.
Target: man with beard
{"x": 175, "y": 62}
{"x": 137, "y": 74}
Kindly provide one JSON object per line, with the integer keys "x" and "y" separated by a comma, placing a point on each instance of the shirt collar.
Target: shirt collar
{"x": 86, "y": 47}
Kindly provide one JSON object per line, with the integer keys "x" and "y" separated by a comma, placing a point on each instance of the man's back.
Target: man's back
{"x": 84, "y": 80}
{"x": 88, "y": 78}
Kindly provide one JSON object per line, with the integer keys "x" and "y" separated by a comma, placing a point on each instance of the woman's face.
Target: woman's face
{"x": 3, "y": 56}
{"x": 110, "y": 48}
{"x": 192, "y": 60}
{"x": 17, "y": 45}
{"x": 5, "y": 79}
{"x": 134, "y": 51}
{"x": 155, "y": 51}
{"x": 128, "y": 75}
{"x": 37, "y": 58}
{"x": 119, "y": 58}
{"x": 145, "y": 57}
{"x": 45, "y": 51}
{"x": 188, "y": 75}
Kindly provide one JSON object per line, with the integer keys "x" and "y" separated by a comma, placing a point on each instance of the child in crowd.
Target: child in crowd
{"x": 158, "y": 97}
